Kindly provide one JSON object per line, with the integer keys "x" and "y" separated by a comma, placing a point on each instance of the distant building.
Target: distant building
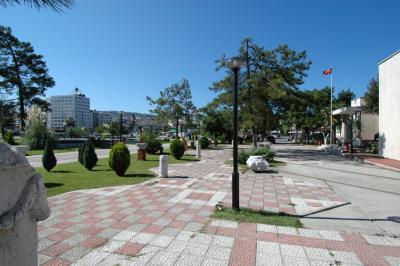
{"x": 76, "y": 106}
{"x": 389, "y": 107}
{"x": 100, "y": 118}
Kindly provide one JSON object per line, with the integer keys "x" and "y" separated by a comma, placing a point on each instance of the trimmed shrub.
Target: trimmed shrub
{"x": 89, "y": 155}
{"x": 80, "y": 152}
{"x": 49, "y": 160}
{"x": 119, "y": 158}
{"x": 177, "y": 149}
{"x": 154, "y": 145}
{"x": 9, "y": 138}
{"x": 204, "y": 142}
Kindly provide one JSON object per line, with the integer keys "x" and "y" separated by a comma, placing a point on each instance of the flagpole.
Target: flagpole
{"x": 331, "y": 106}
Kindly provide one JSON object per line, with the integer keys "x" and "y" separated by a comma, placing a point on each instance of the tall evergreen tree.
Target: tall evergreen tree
{"x": 23, "y": 72}
{"x": 372, "y": 96}
{"x": 344, "y": 98}
{"x": 268, "y": 78}
{"x": 175, "y": 102}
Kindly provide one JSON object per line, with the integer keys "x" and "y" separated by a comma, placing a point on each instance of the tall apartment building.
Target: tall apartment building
{"x": 76, "y": 106}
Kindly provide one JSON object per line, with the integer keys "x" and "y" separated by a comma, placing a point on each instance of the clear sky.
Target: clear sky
{"x": 119, "y": 52}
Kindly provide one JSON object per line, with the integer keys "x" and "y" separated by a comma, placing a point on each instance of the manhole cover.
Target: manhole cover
{"x": 395, "y": 219}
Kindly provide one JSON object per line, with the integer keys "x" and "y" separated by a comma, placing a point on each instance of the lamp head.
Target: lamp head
{"x": 235, "y": 63}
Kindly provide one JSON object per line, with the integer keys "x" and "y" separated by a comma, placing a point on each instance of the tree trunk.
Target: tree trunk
{"x": 21, "y": 109}
{"x": 177, "y": 127}
{"x": 254, "y": 137}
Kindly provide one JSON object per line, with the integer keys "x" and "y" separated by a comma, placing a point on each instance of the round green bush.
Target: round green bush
{"x": 204, "y": 142}
{"x": 177, "y": 149}
{"x": 49, "y": 160}
{"x": 89, "y": 155}
{"x": 119, "y": 158}
{"x": 9, "y": 138}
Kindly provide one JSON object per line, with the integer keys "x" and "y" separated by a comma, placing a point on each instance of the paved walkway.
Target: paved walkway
{"x": 168, "y": 222}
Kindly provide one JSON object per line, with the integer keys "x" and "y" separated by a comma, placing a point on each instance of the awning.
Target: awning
{"x": 347, "y": 110}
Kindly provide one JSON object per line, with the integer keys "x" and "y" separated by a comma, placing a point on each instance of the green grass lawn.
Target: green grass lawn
{"x": 40, "y": 152}
{"x": 252, "y": 216}
{"x": 73, "y": 176}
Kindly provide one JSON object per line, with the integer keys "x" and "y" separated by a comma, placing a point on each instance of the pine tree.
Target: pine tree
{"x": 56, "y": 5}
{"x": 49, "y": 160}
{"x": 23, "y": 72}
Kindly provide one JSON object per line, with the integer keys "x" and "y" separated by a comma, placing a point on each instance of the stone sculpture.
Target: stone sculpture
{"x": 257, "y": 163}
{"x": 23, "y": 202}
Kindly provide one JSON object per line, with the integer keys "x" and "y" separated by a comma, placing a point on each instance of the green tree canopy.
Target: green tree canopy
{"x": 344, "y": 99}
{"x": 372, "y": 96}
{"x": 174, "y": 103}
{"x": 268, "y": 79}
{"x": 56, "y": 5}
{"x": 22, "y": 72}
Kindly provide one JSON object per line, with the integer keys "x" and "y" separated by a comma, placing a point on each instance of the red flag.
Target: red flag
{"x": 327, "y": 71}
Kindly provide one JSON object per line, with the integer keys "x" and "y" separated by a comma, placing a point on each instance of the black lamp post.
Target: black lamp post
{"x": 120, "y": 126}
{"x": 64, "y": 124}
{"x": 235, "y": 64}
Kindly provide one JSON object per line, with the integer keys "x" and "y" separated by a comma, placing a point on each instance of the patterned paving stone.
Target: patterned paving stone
{"x": 169, "y": 223}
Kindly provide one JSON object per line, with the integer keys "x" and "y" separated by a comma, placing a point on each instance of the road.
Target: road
{"x": 374, "y": 192}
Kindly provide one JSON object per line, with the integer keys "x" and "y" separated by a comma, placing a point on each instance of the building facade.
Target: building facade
{"x": 363, "y": 124}
{"x": 389, "y": 107}
{"x": 100, "y": 117}
{"x": 76, "y": 106}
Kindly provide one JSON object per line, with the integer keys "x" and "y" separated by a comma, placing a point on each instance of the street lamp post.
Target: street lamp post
{"x": 120, "y": 126}
{"x": 64, "y": 124}
{"x": 235, "y": 64}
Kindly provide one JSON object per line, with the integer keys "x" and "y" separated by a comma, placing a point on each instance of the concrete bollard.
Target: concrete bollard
{"x": 198, "y": 150}
{"x": 163, "y": 170}
{"x": 23, "y": 202}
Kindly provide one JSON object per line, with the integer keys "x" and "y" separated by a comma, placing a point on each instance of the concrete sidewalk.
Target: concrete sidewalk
{"x": 167, "y": 222}
{"x": 374, "y": 192}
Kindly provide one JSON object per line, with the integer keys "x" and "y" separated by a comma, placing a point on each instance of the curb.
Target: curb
{"x": 366, "y": 161}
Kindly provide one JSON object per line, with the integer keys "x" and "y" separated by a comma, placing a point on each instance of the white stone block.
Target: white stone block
{"x": 163, "y": 171}
{"x": 257, "y": 163}
{"x": 198, "y": 150}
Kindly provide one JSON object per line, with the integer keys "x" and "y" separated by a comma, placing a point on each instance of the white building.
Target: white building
{"x": 364, "y": 124}
{"x": 389, "y": 107}
{"x": 76, "y": 106}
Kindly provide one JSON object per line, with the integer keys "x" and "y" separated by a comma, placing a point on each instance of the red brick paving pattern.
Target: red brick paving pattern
{"x": 143, "y": 211}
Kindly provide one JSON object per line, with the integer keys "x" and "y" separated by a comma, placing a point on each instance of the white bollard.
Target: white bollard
{"x": 23, "y": 202}
{"x": 163, "y": 170}
{"x": 198, "y": 150}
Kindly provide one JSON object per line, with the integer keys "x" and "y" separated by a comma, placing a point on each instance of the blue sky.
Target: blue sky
{"x": 119, "y": 52}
